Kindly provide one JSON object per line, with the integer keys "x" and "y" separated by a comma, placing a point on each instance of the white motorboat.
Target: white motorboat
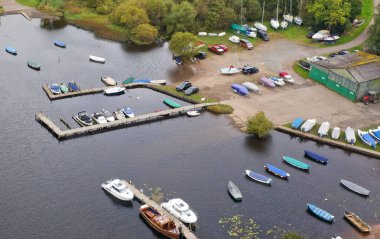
{"x": 252, "y": 87}
{"x": 193, "y": 113}
{"x": 277, "y": 81}
{"x": 230, "y": 70}
{"x": 274, "y": 23}
{"x": 288, "y": 18}
{"x": 322, "y": 34}
{"x": 350, "y": 135}
{"x": 260, "y": 26}
{"x": 97, "y": 59}
{"x": 108, "y": 80}
{"x": 181, "y": 210}
{"x": 284, "y": 24}
{"x": 308, "y": 125}
{"x": 324, "y": 129}
{"x": 128, "y": 112}
{"x": 316, "y": 58}
{"x": 114, "y": 90}
{"x": 160, "y": 82}
{"x": 335, "y": 133}
{"x": 119, "y": 189}
{"x": 118, "y": 114}
{"x": 99, "y": 118}
{"x": 83, "y": 119}
{"x": 109, "y": 117}
{"x": 298, "y": 20}
{"x": 234, "y": 39}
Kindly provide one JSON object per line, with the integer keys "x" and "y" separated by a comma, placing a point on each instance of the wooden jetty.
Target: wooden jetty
{"x": 25, "y": 15}
{"x": 65, "y": 134}
{"x": 146, "y": 200}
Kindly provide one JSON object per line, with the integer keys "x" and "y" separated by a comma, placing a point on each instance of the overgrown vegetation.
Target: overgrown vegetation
{"x": 374, "y": 39}
{"x": 221, "y": 109}
{"x": 259, "y": 125}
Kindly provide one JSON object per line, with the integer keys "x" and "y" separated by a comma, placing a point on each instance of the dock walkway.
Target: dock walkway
{"x": 76, "y": 132}
{"x": 146, "y": 200}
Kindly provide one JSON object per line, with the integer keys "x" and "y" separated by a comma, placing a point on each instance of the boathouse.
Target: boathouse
{"x": 351, "y": 75}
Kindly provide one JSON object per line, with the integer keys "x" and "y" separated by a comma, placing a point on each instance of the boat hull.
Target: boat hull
{"x": 171, "y": 103}
{"x": 295, "y": 163}
{"x": 276, "y": 171}
{"x": 356, "y": 221}
{"x": 320, "y": 213}
{"x": 11, "y": 50}
{"x": 234, "y": 191}
{"x": 60, "y": 44}
{"x": 258, "y": 177}
{"x": 355, "y": 188}
{"x": 316, "y": 157}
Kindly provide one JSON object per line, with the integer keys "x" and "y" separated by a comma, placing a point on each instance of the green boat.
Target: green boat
{"x": 34, "y": 65}
{"x": 296, "y": 163}
{"x": 171, "y": 103}
{"x": 128, "y": 81}
{"x": 64, "y": 88}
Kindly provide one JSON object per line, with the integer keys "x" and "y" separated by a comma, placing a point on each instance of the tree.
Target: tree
{"x": 181, "y": 18}
{"x": 374, "y": 31}
{"x": 330, "y": 13}
{"x": 129, "y": 15}
{"x": 356, "y": 8}
{"x": 259, "y": 125}
{"x": 144, "y": 34}
{"x": 252, "y": 10}
{"x": 183, "y": 44}
{"x": 105, "y": 6}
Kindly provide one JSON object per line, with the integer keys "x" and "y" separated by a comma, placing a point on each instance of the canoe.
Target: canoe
{"x": 296, "y": 123}
{"x": 324, "y": 129}
{"x": 335, "y": 133}
{"x": 64, "y": 88}
{"x": 97, "y": 59}
{"x": 73, "y": 87}
{"x": 11, "y": 50}
{"x": 241, "y": 90}
{"x": 170, "y": 103}
{"x": 276, "y": 171}
{"x": 354, "y": 187}
{"x": 258, "y": 177}
{"x": 34, "y": 65}
{"x": 55, "y": 89}
{"x": 114, "y": 91}
{"x": 296, "y": 163}
{"x": 234, "y": 191}
{"x": 316, "y": 157}
{"x": 357, "y": 221}
{"x": 108, "y": 80}
{"x": 367, "y": 138}
{"x": 375, "y": 133}
{"x": 128, "y": 81}
{"x": 60, "y": 44}
{"x": 350, "y": 135}
{"x": 320, "y": 213}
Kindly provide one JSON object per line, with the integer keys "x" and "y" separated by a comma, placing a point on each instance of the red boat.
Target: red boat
{"x": 160, "y": 223}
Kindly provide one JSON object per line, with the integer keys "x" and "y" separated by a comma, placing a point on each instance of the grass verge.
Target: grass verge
{"x": 221, "y": 109}
{"x": 300, "y": 71}
{"x": 29, "y": 3}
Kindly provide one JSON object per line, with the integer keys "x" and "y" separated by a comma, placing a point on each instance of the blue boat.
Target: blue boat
{"x": 141, "y": 81}
{"x": 276, "y": 171}
{"x": 297, "y": 123}
{"x": 60, "y": 44}
{"x": 375, "y": 133}
{"x": 73, "y": 87}
{"x": 316, "y": 157}
{"x": 55, "y": 88}
{"x": 320, "y": 213}
{"x": 258, "y": 177}
{"x": 242, "y": 90}
{"x": 366, "y": 138}
{"x": 11, "y": 50}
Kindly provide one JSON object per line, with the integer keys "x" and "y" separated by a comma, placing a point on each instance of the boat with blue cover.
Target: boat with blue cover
{"x": 170, "y": 103}
{"x": 73, "y": 87}
{"x": 320, "y": 213}
{"x": 240, "y": 89}
{"x": 294, "y": 162}
{"x": 258, "y": 177}
{"x": 60, "y": 44}
{"x": 11, "y": 50}
{"x": 297, "y": 123}
{"x": 55, "y": 88}
{"x": 366, "y": 138}
{"x": 375, "y": 133}
{"x": 316, "y": 157}
{"x": 276, "y": 171}
{"x": 141, "y": 81}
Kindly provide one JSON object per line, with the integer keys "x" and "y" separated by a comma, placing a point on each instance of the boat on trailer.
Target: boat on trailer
{"x": 276, "y": 171}
{"x": 296, "y": 163}
{"x": 367, "y": 138}
{"x": 296, "y": 123}
{"x": 316, "y": 157}
{"x": 375, "y": 133}
{"x": 320, "y": 213}
{"x": 97, "y": 59}
{"x": 354, "y": 187}
{"x": 258, "y": 177}
{"x": 356, "y": 221}
{"x": 234, "y": 191}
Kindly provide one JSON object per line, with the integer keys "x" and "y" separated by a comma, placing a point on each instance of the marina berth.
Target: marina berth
{"x": 109, "y": 117}
{"x": 118, "y": 189}
{"x": 99, "y": 118}
{"x": 181, "y": 210}
{"x": 119, "y": 114}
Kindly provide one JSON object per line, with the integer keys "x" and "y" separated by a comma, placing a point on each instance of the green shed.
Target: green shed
{"x": 351, "y": 75}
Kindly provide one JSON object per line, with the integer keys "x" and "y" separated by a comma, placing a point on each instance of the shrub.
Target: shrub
{"x": 259, "y": 125}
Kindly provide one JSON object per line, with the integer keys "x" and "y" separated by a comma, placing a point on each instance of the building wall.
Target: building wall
{"x": 367, "y": 86}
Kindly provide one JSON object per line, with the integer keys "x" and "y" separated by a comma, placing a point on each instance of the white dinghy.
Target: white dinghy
{"x": 324, "y": 129}
{"x": 97, "y": 59}
{"x": 308, "y": 125}
{"x": 335, "y": 133}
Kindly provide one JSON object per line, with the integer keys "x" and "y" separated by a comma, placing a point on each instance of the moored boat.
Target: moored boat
{"x": 34, "y": 65}
{"x": 161, "y": 82}
{"x": 83, "y": 119}
{"x": 118, "y": 189}
{"x": 60, "y": 44}
{"x": 128, "y": 81}
{"x": 171, "y": 103}
{"x": 114, "y": 90}
{"x": 354, "y": 187}
{"x": 99, "y": 118}
{"x": 308, "y": 125}
{"x": 324, "y": 129}
{"x": 234, "y": 191}
{"x": 97, "y": 59}
{"x": 320, "y": 213}
{"x": 357, "y": 221}
{"x": 316, "y": 157}
{"x": 335, "y": 133}
{"x": 193, "y": 113}
{"x": 73, "y": 87}
{"x": 128, "y": 112}
{"x": 366, "y": 138}
{"x": 146, "y": 81}
{"x": 55, "y": 89}
{"x": 64, "y": 88}
{"x": 11, "y": 50}
{"x": 108, "y": 80}
{"x": 161, "y": 223}
{"x": 119, "y": 114}
{"x": 294, "y": 162}
{"x": 375, "y": 133}
{"x": 276, "y": 171}
{"x": 240, "y": 89}
{"x": 296, "y": 123}
{"x": 258, "y": 177}
{"x": 181, "y": 210}
{"x": 109, "y": 117}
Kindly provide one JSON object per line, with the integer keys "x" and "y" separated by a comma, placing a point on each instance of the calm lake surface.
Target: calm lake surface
{"x": 51, "y": 189}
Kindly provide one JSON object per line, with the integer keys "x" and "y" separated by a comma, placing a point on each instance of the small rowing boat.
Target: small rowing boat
{"x": 97, "y": 59}
{"x": 354, "y": 187}
{"x": 234, "y": 191}
{"x": 64, "y": 88}
{"x": 320, "y": 213}
{"x": 316, "y": 157}
{"x": 193, "y": 113}
{"x": 108, "y": 80}
{"x": 296, "y": 163}
{"x": 357, "y": 221}
{"x": 60, "y": 44}
{"x": 55, "y": 89}
{"x": 114, "y": 91}
{"x": 11, "y": 50}
{"x": 258, "y": 177}
{"x": 34, "y": 65}
{"x": 170, "y": 103}
{"x": 73, "y": 87}
{"x": 276, "y": 171}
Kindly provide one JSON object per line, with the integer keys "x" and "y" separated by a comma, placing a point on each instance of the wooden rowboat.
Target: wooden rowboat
{"x": 357, "y": 221}
{"x": 320, "y": 213}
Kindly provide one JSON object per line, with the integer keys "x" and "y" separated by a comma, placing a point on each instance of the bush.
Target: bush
{"x": 221, "y": 109}
{"x": 259, "y": 125}
{"x": 144, "y": 34}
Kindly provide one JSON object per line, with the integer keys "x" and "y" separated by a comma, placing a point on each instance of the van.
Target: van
{"x": 246, "y": 44}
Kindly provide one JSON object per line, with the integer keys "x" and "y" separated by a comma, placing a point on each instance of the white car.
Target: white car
{"x": 234, "y": 39}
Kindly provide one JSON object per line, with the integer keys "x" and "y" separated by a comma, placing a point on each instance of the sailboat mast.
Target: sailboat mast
{"x": 291, "y": 10}
{"x": 277, "y": 11}
{"x": 262, "y": 17}
{"x": 241, "y": 12}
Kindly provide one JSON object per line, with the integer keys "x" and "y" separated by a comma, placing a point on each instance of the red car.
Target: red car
{"x": 216, "y": 49}
{"x": 224, "y": 47}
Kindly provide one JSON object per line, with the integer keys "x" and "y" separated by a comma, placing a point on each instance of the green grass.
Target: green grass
{"x": 300, "y": 71}
{"x": 1, "y": 9}
{"x": 195, "y": 97}
{"x": 29, "y": 3}
{"x": 221, "y": 109}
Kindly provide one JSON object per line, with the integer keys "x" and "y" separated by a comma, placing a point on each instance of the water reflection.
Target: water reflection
{"x": 53, "y": 23}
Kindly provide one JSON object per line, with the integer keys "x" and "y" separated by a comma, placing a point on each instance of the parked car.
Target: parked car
{"x": 234, "y": 39}
{"x": 216, "y": 49}
{"x": 310, "y": 35}
{"x": 333, "y": 54}
{"x": 201, "y": 55}
{"x": 246, "y": 44}
{"x": 343, "y": 52}
{"x": 183, "y": 86}
{"x": 247, "y": 70}
{"x": 224, "y": 47}
{"x": 191, "y": 90}
{"x": 263, "y": 34}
